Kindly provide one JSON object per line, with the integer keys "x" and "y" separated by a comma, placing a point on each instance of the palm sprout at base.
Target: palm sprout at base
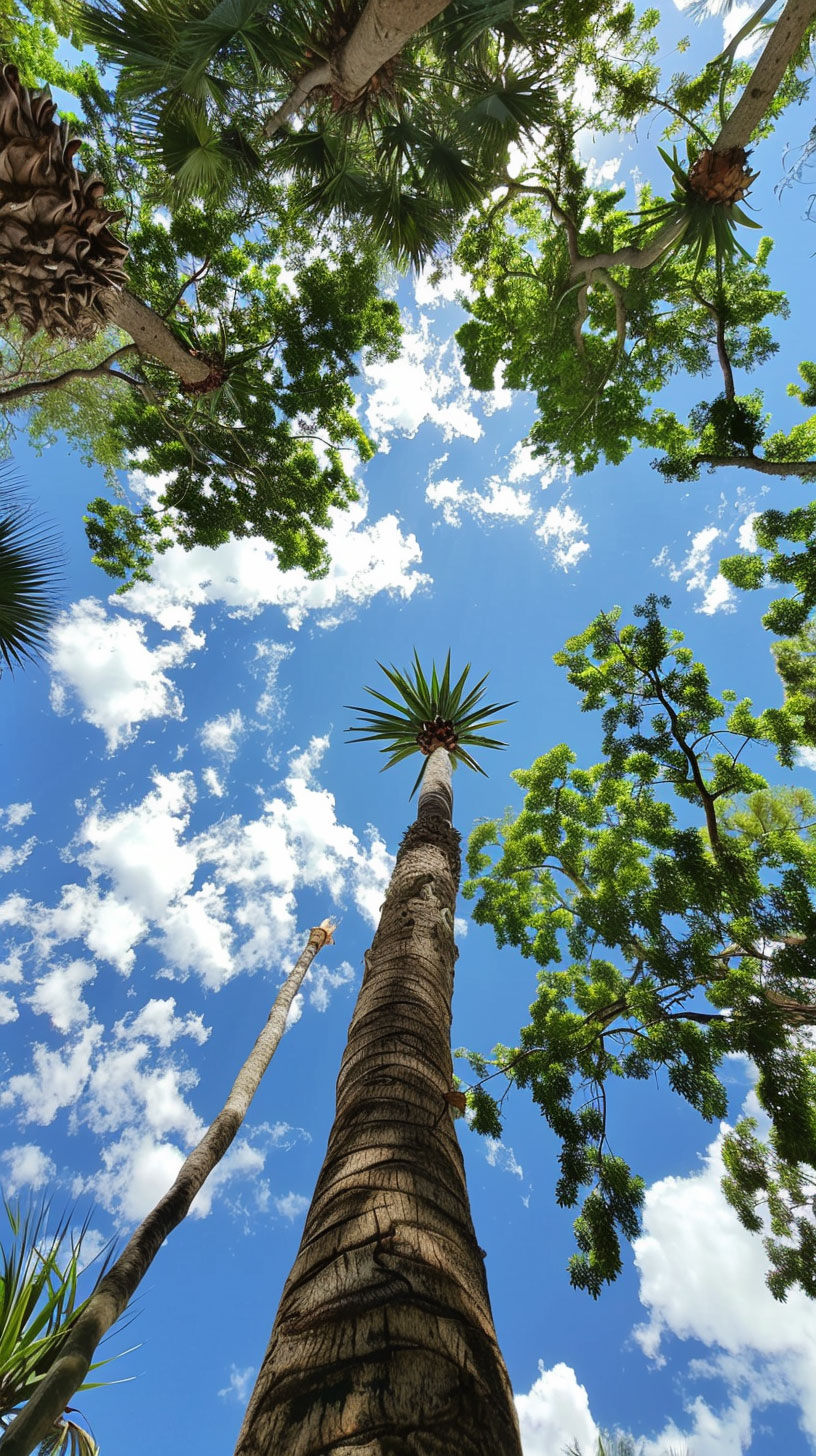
{"x": 38, "y": 1287}
{"x": 431, "y": 714}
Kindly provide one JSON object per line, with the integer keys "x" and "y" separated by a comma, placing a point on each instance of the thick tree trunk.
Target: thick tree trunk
{"x": 153, "y": 337}
{"x": 382, "y": 30}
{"x": 383, "y": 1344}
{"x": 116, "y": 1288}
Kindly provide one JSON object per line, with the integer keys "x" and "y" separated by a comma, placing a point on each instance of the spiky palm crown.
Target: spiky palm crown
{"x": 429, "y": 713}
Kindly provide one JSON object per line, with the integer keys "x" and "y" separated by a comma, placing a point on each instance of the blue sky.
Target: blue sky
{"x": 180, "y": 806}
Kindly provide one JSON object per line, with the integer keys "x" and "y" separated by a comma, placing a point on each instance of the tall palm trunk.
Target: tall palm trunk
{"x": 384, "y": 1343}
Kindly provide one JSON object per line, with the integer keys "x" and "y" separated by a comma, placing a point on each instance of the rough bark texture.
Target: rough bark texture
{"x": 152, "y": 336}
{"x": 383, "y": 1344}
{"x": 382, "y": 30}
{"x": 767, "y": 75}
{"x": 117, "y": 1286}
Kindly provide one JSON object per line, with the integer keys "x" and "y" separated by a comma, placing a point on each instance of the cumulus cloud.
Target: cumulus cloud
{"x": 59, "y": 994}
{"x": 702, "y": 1278}
{"x": 291, "y": 1205}
{"x": 324, "y": 979}
{"x": 563, "y": 530}
{"x": 426, "y": 384}
{"x": 555, "y": 1414}
{"x": 497, "y": 502}
{"x": 26, "y": 1166}
{"x": 367, "y": 558}
{"x": 16, "y": 814}
{"x": 102, "y": 661}
{"x": 717, "y": 595}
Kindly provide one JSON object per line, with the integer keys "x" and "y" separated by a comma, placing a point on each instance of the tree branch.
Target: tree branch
{"x": 767, "y": 75}
{"x": 805, "y": 469}
{"x": 59, "y": 381}
{"x": 152, "y": 336}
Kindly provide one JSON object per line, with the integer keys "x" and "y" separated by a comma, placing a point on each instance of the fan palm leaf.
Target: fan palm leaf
{"x": 428, "y": 713}
{"x": 29, "y": 574}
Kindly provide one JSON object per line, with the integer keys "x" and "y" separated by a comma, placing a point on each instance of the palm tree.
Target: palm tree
{"x": 29, "y": 572}
{"x": 38, "y": 1406}
{"x": 384, "y": 1338}
{"x": 38, "y": 1305}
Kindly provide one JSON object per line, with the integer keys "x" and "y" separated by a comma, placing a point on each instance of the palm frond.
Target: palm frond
{"x": 429, "y": 712}
{"x": 30, "y": 567}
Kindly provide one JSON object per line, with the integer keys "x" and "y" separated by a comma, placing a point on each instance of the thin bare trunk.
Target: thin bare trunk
{"x": 767, "y": 75}
{"x": 153, "y": 336}
{"x": 117, "y": 1286}
{"x": 383, "y": 1344}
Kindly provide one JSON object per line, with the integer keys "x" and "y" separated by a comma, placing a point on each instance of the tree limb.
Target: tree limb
{"x": 152, "y": 336}
{"x": 767, "y": 75}
{"x": 59, "y": 381}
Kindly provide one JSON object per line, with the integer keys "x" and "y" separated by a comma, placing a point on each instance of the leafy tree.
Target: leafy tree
{"x": 385, "y": 1326}
{"x": 596, "y": 310}
{"x": 667, "y": 900}
{"x": 67, "y": 1353}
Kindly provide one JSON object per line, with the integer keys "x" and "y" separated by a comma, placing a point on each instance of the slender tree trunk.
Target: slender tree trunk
{"x": 383, "y": 1344}
{"x": 116, "y": 1288}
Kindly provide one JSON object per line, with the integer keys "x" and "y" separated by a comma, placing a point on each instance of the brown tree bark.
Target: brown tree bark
{"x": 153, "y": 337}
{"x": 116, "y": 1288}
{"x": 782, "y": 45}
{"x": 384, "y": 1344}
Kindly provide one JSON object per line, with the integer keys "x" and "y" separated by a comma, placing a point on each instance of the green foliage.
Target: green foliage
{"x": 29, "y": 574}
{"x": 241, "y": 459}
{"x": 771, "y": 562}
{"x": 666, "y": 896}
{"x": 597, "y": 356}
{"x": 707, "y": 228}
{"x": 39, "y": 1271}
{"x": 410, "y": 157}
{"x": 427, "y": 715}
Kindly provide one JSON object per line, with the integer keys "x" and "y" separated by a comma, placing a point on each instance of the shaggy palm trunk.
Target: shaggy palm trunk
{"x": 384, "y": 1344}
{"x": 116, "y": 1288}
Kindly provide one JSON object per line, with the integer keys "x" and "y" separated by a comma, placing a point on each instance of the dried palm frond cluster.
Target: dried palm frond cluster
{"x": 57, "y": 251}
{"x": 722, "y": 177}
{"x": 339, "y": 24}
{"x": 439, "y": 733}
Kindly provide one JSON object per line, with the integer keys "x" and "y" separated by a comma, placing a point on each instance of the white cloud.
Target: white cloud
{"x": 221, "y": 735}
{"x": 102, "y": 660}
{"x": 27, "y": 1166}
{"x": 323, "y": 980}
{"x": 599, "y": 173}
{"x": 696, "y": 566}
{"x": 562, "y": 529}
{"x": 11, "y": 858}
{"x": 426, "y": 384}
{"x": 555, "y": 1413}
{"x": 702, "y": 1278}
{"x": 500, "y": 1156}
{"x": 269, "y": 658}
{"x": 436, "y": 284}
{"x": 238, "y": 1385}
{"x": 213, "y": 783}
{"x": 8, "y": 1008}
{"x": 157, "y": 1019}
{"x": 291, "y": 1205}
{"x": 16, "y": 814}
{"x": 500, "y": 502}
{"x": 55, "y": 1081}
{"x": 59, "y": 994}
{"x": 746, "y": 536}
{"x": 367, "y": 558}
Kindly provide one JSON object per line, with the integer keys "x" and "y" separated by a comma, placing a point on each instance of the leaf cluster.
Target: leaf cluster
{"x": 666, "y": 896}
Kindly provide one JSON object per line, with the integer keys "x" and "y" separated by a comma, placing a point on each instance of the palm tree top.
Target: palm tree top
{"x": 429, "y": 713}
